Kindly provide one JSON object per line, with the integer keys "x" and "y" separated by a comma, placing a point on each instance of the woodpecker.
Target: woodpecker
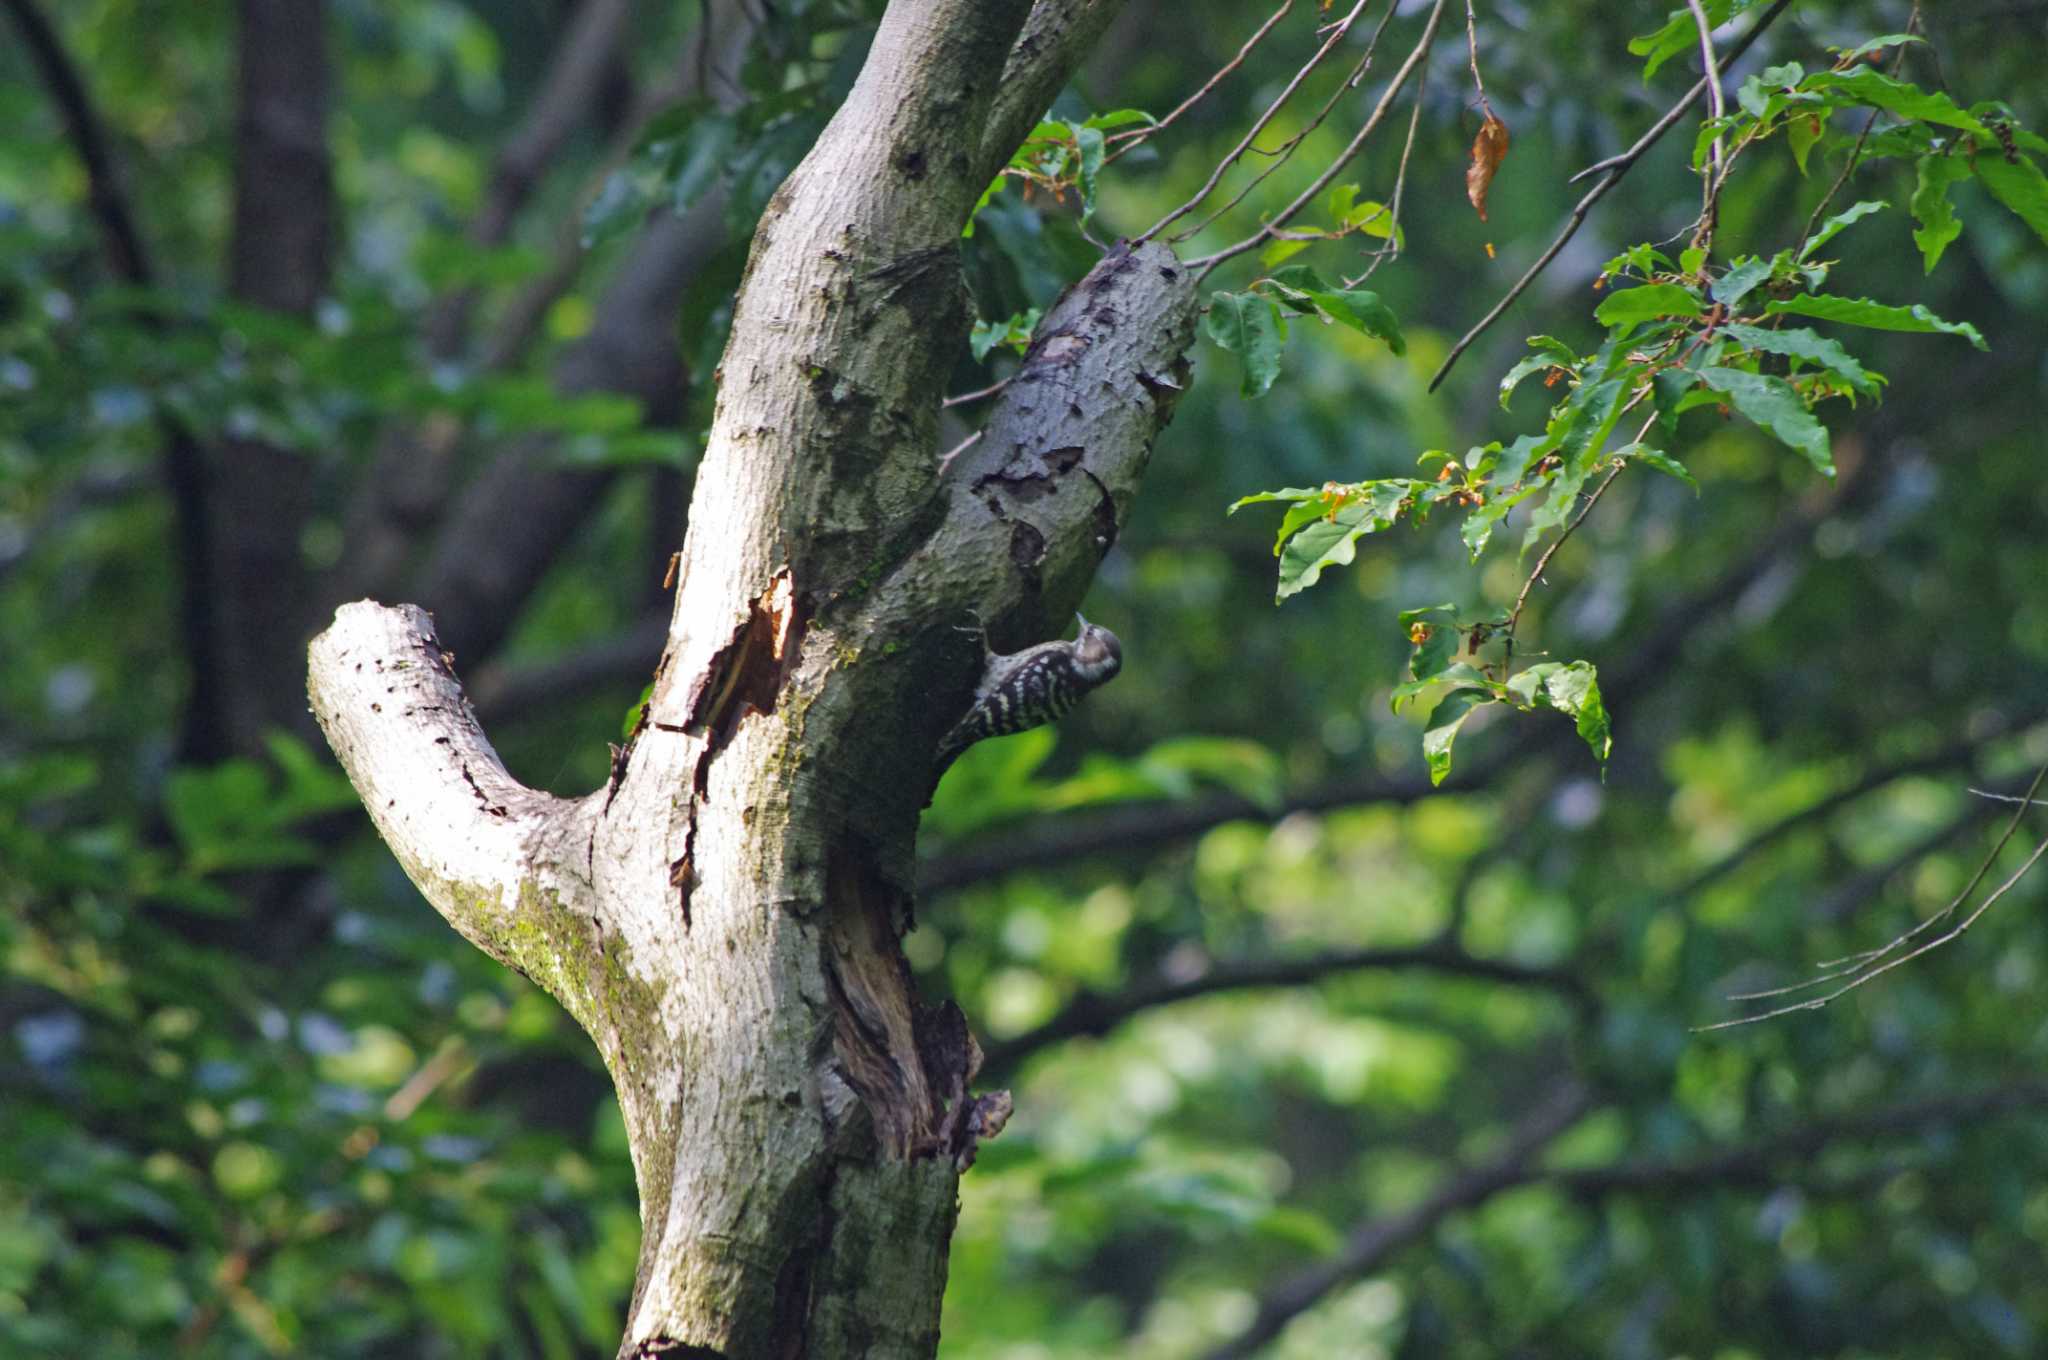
{"x": 1037, "y": 685}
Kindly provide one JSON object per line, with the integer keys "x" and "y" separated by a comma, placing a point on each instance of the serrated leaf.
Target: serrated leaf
{"x": 2019, "y": 185}
{"x": 1873, "y": 315}
{"x": 1811, "y": 347}
{"x": 1846, "y": 217}
{"x": 1889, "y": 40}
{"x": 1333, "y": 540}
{"x": 1449, "y": 715}
{"x": 1249, "y": 327}
{"x": 1663, "y": 462}
{"x": 1935, "y": 223}
{"x": 1285, "y": 493}
{"x": 1865, "y": 85}
{"x": 1550, "y": 353}
{"x": 1646, "y": 303}
{"x": 1774, "y": 404}
{"x": 1573, "y": 689}
{"x": 1741, "y": 277}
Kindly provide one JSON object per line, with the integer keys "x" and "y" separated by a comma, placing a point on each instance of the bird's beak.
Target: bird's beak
{"x": 1078, "y": 619}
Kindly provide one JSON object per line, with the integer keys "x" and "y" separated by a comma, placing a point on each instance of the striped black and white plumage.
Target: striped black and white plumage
{"x": 1035, "y": 686}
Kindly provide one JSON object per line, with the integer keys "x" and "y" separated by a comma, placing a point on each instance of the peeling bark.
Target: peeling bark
{"x": 725, "y": 916}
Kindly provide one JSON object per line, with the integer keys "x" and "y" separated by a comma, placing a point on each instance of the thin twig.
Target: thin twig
{"x": 1472, "y": 55}
{"x": 1136, "y": 137}
{"x": 1872, "y": 964}
{"x": 1336, "y": 35}
{"x": 978, "y": 394}
{"x": 1856, "y": 151}
{"x": 1280, "y": 155}
{"x": 1392, "y": 247}
{"x": 1610, "y": 170}
{"x": 946, "y": 460}
{"x": 1280, "y": 219}
{"x": 1522, "y": 600}
{"x": 2008, "y": 797}
{"x": 1716, "y": 107}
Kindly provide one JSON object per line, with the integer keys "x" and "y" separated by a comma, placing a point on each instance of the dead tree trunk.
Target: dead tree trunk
{"x": 723, "y": 918}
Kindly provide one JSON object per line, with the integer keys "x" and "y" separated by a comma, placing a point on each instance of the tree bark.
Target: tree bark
{"x": 724, "y": 917}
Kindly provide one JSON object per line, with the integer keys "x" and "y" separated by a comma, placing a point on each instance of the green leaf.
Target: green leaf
{"x": 1774, "y": 404}
{"x": 1462, "y": 674}
{"x": 618, "y": 205}
{"x": 1449, "y": 715}
{"x": 1873, "y": 315}
{"x": 1249, "y": 327}
{"x": 1864, "y": 85}
{"x": 1550, "y": 353}
{"x": 1477, "y": 531}
{"x": 1573, "y": 689}
{"x": 1802, "y": 131}
{"x": 1663, "y": 462}
{"x": 995, "y": 186}
{"x": 1434, "y": 653}
{"x": 2019, "y": 185}
{"x": 1279, "y": 252}
{"x": 1834, "y": 224}
{"x": 1864, "y": 49}
{"x": 1117, "y": 118}
{"x": 701, "y": 158}
{"x": 1935, "y": 223}
{"x": 1741, "y": 277}
{"x": 1810, "y": 347}
{"x": 1363, "y": 312}
{"x": 1302, "y": 289}
{"x": 635, "y": 713}
{"x": 1680, "y": 33}
{"x": 1646, "y": 303}
{"x": 1092, "y": 146}
{"x": 1333, "y": 540}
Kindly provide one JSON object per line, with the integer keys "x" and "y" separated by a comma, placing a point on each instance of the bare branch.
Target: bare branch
{"x": 1133, "y": 138}
{"x": 1092, "y": 1014}
{"x": 109, "y": 204}
{"x": 1955, "y": 753}
{"x": 488, "y": 852}
{"x": 1333, "y": 34}
{"x": 1611, "y": 170}
{"x": 1759, "y": 1162}
{"x": 1343, "y": 158}
{"x": 1372, "y": 1242}
{"x": 1860, "y": 969}
{"x": 204, "y": 730}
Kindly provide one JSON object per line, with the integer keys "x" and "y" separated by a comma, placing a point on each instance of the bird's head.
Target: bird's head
{"x": 1098, "y": 656}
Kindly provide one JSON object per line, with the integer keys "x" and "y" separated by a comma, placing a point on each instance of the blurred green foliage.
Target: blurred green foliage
{"x": 323, "y": 1126}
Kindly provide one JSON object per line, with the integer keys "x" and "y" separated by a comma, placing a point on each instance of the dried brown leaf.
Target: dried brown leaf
{"x": 1489, "y": 149}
